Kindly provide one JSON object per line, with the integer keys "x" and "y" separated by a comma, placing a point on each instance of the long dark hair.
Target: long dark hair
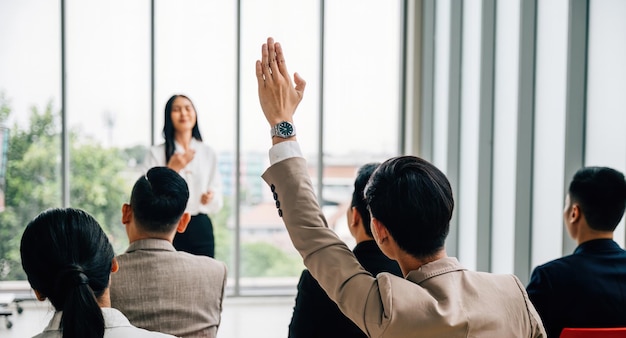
{"x": 168, "y": 127}
{"x": 68, "y": 258}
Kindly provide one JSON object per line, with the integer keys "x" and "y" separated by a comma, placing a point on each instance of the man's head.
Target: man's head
{"x": 599, "y": 194}
{"x": 158, "y": 202}
{"x": 358, "y": 215}
{"x": 413, "y": 200}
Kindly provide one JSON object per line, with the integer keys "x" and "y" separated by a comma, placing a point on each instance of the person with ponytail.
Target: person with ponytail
{"x": 68, "y": 260}
{"x": 185, "y": 153}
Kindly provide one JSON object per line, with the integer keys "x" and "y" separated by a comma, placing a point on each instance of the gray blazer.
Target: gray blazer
{"x": 161, "y": 289}
{"x": 440, "y": 299}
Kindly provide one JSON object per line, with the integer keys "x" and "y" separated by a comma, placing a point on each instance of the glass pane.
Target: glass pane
{"x": 361, "y": 108}
{"x": 196, "y": 55}
{"x": 505, "y": 134}
{"x": 108, "y": 105}
{"x": 549, "y": 129}
{"x": 606, "y": 85}
{"x": 470, "y": 86}
{"x": 442, "y": 83}
{"x": 30, "y": 142}
{"x": 268, "y": 257}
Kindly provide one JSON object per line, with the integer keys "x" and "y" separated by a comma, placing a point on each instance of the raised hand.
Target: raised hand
{"x": 277, "y": 95}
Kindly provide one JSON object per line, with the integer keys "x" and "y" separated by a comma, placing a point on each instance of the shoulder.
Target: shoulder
{"x": 202, "y": 262}
{"x": 202, "y": 146}
{"x": 307, "y": 282}
{"x": 558, "y": 266}
{"x": 156, "y": 152}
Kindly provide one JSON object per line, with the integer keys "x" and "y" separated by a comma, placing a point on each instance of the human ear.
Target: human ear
{"x": 183, "y": 222}
{"x": 356, "y": 217}
{"x": 115, "y": 266}
{"x": 39, "y": 295}
{"x": 379, "y": 231}
{"x": 127, "y": 213}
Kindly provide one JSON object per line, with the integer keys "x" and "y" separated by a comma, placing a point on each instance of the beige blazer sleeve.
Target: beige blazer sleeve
{"x": 441, "y": 299}
{"x": 328, "y": 259}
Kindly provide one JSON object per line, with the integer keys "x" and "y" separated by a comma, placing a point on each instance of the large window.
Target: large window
{"x": 361, "y": 97}
{"x": 123, "y": 60}
{"x": 29, "y": 120}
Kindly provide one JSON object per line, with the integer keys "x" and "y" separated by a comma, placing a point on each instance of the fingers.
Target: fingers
{"x": 259, "y": 74}
{"x": 273, "y": 65}
{"x": 267, "y": 75}
{"x": 300, "y": 84}
{"x": 280, "y": 60}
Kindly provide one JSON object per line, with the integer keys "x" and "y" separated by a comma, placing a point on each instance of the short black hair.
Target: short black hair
{"x": 413, "y": 199}
{"x": 601, "y": 194}
{"x": 159, "y": 199}
{"x": 358, "y": 197}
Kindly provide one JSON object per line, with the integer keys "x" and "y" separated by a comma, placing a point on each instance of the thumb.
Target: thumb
{"x": 300, "y": 84}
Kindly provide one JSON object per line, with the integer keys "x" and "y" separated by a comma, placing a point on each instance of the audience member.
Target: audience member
{"x": 411, "y": 204}
{"x": 588, "y": 287}
{"x": 157, "y": 287}
{"x": 68, "y": 259}
{"x": 316, "y": 315}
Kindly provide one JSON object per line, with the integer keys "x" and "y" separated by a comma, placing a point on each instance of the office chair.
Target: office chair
{"x": 613, "y": 332}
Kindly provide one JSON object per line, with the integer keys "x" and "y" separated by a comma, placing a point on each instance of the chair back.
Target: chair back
{"x": 613, "y": 332}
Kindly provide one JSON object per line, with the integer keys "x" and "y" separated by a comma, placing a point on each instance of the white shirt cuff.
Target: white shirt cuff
{"x": 284, "y": 150}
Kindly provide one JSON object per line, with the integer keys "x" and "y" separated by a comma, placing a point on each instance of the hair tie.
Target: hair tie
{"x": 72, "y": 275}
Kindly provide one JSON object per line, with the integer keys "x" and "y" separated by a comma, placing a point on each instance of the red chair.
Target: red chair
{"x": 613, "y": 332}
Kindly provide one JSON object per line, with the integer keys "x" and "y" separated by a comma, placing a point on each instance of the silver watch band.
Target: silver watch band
{"x": 274, "y": 131}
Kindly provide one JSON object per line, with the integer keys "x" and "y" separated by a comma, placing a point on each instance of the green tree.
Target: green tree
{"x": 261, "y": 259}
{"x": 98, "y": 182}
{"x": 98, "y": 186}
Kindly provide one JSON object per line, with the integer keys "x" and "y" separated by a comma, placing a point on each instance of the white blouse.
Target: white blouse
{"x": 201, "y": 174}
{"x": 116, "y": 325}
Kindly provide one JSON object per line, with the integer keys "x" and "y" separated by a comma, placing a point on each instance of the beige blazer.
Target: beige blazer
{"x": 441, "y": 299}
{"x": 160, "y": 289}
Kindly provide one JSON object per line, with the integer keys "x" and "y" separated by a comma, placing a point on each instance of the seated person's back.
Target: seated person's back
{"x": 316, "y": 315}
{"x": 587, "y": 288}
{"x": 69, "y": 260}
{"x": 159, "y": 288}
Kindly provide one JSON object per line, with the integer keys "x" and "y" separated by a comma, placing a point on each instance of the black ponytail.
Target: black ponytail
{"x": 67, "y": 258}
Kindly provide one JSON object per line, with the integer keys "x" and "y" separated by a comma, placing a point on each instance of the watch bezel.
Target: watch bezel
{"x": 275, "y": 131}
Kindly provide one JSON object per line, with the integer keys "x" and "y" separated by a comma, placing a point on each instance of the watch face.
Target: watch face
{"x": 285, "y": 128}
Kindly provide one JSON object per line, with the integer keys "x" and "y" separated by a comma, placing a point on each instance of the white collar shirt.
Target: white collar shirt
{"x": 116, "y": 325}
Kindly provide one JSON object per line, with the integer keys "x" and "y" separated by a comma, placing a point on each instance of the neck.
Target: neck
{"x": 593, "y": 234}
{"x": 183, "y": 138}
{"x": 138, "y": 237}
{"x": 105, "y": 299}
{"x": 137, "y": 234}
{"x": 361, "y": 235}
{"x": 409, "y": 263}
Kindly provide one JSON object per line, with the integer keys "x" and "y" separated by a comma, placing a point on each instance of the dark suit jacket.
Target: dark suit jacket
{"x": 316, "y": 315}
{"x": 441, "y": 299}
{"x": 585, "y": 289}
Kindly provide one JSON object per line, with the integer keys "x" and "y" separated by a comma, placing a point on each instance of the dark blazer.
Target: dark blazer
{"x": 441, "y": 299}
{"x": 316, "y": 315}
{"x": 585, "y": 289}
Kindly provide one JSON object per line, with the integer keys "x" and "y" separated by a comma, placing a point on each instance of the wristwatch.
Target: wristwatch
{"x": 284, "y": 129}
